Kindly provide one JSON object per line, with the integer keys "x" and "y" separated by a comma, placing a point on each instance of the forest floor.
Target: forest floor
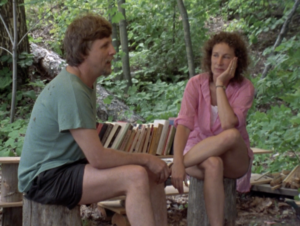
{"x": 252, "y": 210}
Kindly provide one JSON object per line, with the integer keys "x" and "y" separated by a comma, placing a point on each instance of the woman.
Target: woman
{"x": 211, "y": 140}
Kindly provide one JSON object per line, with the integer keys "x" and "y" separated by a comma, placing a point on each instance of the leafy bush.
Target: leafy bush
{"x": 158, "y": 100}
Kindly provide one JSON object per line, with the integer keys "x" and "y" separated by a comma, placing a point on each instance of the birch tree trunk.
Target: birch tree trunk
{"x": 6, "y": 12}
{"x": 124, "y": 43}
{"x": 187, "y": 37}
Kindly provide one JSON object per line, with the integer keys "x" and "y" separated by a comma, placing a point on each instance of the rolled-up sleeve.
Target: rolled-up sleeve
{"x": 189, "y": 105}
{"x": 243, "y": 102}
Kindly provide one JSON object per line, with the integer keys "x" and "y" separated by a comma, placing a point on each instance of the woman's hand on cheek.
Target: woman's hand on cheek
{"x": 225, "y": 77}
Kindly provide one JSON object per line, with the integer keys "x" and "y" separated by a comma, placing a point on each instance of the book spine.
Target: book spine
{"x": 107, "y": 132}
{"x": 114, "y": 137}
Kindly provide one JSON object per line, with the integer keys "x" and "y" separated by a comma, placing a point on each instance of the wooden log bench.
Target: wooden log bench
{"x": 196, "y": 208}
{"x": 11, "y": 198}
{"x": 32, "y": 213}
{"x": 37, "y": 214}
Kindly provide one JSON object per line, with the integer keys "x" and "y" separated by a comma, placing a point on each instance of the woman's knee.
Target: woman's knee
{"x": 231, "y": 137}
{"x": 213, "y": 166}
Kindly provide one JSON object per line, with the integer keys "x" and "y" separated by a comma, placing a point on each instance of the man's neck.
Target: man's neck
{"x": 80, "y": 73}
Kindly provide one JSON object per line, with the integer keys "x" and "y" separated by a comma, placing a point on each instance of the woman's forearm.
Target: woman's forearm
{"x": 181, "y": 137}
{"x": 226, "y": 114}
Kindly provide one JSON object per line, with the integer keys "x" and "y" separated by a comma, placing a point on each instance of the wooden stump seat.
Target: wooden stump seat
{"x": 196, "y": 205}
{"x": 37, "y": 214}
{"x": 11, "y": 198}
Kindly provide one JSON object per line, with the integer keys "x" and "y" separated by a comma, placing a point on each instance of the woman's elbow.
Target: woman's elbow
{"x": 229, "y": 124}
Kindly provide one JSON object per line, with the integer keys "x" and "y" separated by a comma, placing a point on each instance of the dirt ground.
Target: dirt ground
{"x": 252, "y": 210}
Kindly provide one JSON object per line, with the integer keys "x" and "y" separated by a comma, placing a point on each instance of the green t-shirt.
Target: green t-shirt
{"x": 65, "y": 103}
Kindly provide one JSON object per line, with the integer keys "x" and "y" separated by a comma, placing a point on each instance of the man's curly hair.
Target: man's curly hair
{"x": 235, "y": 41}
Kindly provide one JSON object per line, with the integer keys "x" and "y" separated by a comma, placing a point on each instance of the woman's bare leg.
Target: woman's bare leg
{"x": 224, "y": 155}
{"x": 211, "y": 171}
{"x": 229, "y": 145}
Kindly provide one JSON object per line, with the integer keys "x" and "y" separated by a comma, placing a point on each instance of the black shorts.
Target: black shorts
{"x": 59, "y": 186}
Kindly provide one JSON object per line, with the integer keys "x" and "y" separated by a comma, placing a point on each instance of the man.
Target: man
{"x": 63, "y": 161}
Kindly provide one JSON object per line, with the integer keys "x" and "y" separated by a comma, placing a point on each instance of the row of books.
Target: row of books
{"x": 154, "y": 138}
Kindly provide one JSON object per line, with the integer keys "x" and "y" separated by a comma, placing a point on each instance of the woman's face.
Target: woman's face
{"x": 221, "y": 57}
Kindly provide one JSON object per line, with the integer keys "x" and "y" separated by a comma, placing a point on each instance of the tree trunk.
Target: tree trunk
{"x": 196, "y": 205}
{"x": 6, "y": 12}
{"x": 115, "y": 38}
{"x": 187, "y": 37}
{"x": 124, "y": 43}
{"x": 280, "y": 37}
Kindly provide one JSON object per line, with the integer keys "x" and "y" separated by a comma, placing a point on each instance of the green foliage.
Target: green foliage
{"x": 24, "y": 60}
{"x": 278, "y": 126}
{"x": 155, "y": 32}
{"x": 150, "y": 100}
{"x": 256, "y": 16}
{"x": 12, "y": 136}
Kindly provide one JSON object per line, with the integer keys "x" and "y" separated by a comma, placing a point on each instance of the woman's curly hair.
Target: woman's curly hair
{"x": 235, "y": 41}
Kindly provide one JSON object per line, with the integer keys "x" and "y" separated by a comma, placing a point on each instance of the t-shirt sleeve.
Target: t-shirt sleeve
{"x": 76, "y": 110}
{"x": 243, "y": 102}
{"x": 189, "y": 105}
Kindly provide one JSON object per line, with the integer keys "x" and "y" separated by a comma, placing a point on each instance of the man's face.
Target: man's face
{"x": 100, "y": 56}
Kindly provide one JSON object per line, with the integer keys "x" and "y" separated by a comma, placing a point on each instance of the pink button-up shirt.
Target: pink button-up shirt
{"x": 195, "y": 113}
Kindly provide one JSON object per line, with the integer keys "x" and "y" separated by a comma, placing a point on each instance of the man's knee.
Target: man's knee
{"x": 137, "y": 175}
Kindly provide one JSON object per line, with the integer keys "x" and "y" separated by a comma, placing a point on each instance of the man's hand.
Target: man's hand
{"x": 178, "y": 176}
{"x": 158, "y": 167}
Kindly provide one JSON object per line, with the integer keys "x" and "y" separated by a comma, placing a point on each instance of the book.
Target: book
{"x": 124, "y": 127}
{"x": 135, "y": 140}
{"x": 170, "y": 140}
{"x": 141, "y": 139}
{"x": 111, "y": 134}
{"x": 171, "y": 121}
{"x": 116, "y": 133}
{"x": 148, "y": 135}
{"x": 129, "y": 143}
{"x": 157, "y": 128}
{"x": 98, "y": 127}
{"x": 107, "y": 132}
{"x": 125, "y": 140}
{"x": 163, "y": 135}
{"x": 102, "y": 131}
{"x": 165, "y": 144}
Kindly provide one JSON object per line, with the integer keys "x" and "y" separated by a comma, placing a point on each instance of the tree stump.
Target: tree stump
{"x": 37, "y": 214}
{"x": 11, "y": 198}
{"x": 196, "y": 206}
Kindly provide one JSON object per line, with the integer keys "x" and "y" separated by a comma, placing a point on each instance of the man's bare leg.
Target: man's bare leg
{"x": 131, "y": 180}
{"x": 158, "y": 200}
